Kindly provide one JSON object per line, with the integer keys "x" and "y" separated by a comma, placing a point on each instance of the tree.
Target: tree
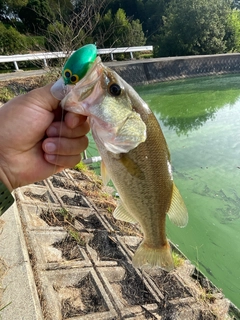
{"x": 62, "y": 9}
{"x": 194, "y": 27}
{"x": 152, "y": 18}
{"x": 71, "y": 31}
{"x": 148, "y": 12}
{"x": 11, "y": 41}
{"x": 62, "y": 37}
{"x": 10, "y": 8}
{"x": 232, "y": 35}
{"x": 36, "y": 16}
{"x": 116, "y": 30}
{"x": 133, "y": 8}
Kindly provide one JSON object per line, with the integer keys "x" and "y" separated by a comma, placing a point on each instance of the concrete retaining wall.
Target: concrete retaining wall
{"x": 165, "y": 69}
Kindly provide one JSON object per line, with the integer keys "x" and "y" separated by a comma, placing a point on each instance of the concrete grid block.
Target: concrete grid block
{"x": 31, "y": 216}
{"x": 68, "y": 198}
{"x": 75, "y": 294}
{"x": 50, "y": 256}
{"x": 35, "y": 193}
{"x": 131, "y": 296}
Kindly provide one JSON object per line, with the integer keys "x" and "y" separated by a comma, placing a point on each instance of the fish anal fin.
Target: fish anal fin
{"x": 120, "y": 213}
{"x": 177, "y": 212}
{"x": 146, "y": 256}
{"x": 104, "y": 174}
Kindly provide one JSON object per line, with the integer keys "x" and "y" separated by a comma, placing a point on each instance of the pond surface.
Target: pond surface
{"x": 200, "y": 119}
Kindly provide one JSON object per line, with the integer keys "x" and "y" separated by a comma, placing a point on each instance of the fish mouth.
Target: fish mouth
{"x": 87, "y": 92}
{"x": 60, "y": 90}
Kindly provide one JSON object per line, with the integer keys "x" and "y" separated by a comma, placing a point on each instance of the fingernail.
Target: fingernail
{"x": 50, "y": 157}
{"x": 75, "y": 122}
{"x": 50, "y": 147}
{"x": 52, "y": 131}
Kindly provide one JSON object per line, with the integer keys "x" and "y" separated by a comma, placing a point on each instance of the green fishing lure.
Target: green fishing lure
{"x": 79, "y": 63}
{"x": 74, "y": 70}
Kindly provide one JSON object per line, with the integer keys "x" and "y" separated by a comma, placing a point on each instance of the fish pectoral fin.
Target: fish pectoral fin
{"x": 104, "y": 174}
{"x": 178, "y": 212}
{"x": 120, "y": 213}
{"x": 132, "y": 167}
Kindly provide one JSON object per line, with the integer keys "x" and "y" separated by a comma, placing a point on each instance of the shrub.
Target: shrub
{"x": 11, "y": 41}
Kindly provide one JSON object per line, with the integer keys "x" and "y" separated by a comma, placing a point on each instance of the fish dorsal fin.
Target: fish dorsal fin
{"x": 104, "y": 174}
{"x": 178, "y": 212}
{"x": 120, "y": 213}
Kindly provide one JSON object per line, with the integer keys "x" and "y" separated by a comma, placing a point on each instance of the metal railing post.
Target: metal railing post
{"x": 45, "y": 63}
{"x": 16, "y": 65}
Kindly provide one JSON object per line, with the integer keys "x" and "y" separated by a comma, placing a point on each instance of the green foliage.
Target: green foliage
{"x": 35, "y": 43}
{"x": 193, "y": 27}
{"x": 178, "y": 260}
{"x": 173, "y": 27}
{"x": 36, "y": 16}
{"x": 6, "y": 94}
{"x": 11, "y": 41}
{"x": 10, "y": 7}
{"x": 62, "y": 37}
{"x": 62, "y": 9}
{"x": 153, "y": 18}
{"x": 117, "y": 31}
{"x": 81, "y": 166}
{"x": 232, "y": 35}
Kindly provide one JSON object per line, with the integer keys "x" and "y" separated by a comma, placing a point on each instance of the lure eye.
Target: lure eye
{"x": 115, "y": 89}
{"x": 67, "y": 73}
{"x": 74, "y": 78}
{"x": 71, "y": 78}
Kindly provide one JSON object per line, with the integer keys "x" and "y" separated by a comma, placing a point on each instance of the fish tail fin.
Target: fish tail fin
{"x": 154, "y": 257}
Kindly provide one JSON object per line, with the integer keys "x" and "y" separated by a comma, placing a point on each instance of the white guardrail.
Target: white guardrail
{"x": 53, "y": 55}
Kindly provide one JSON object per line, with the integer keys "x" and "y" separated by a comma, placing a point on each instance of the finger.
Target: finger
{"x": 63, "y": 161}
{"x": 60, "y": 129}
{"x": 73, "y": 120}
{"x": 43, "y": 98}
{"x": 65, "y": 146}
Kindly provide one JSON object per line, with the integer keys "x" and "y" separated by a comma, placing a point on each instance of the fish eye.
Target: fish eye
{"x": 115, "y": 89}
{"x": 67, "y": 73}
{"x": 74, "y": 78}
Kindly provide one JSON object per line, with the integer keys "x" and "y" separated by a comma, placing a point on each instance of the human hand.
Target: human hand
{"x": 34, "y": 142}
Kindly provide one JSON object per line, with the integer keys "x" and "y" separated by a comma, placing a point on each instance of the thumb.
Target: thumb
{"x": 42, "y": 97}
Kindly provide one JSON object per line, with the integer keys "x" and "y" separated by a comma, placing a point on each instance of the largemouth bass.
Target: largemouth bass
{"x": 135, "y": 157}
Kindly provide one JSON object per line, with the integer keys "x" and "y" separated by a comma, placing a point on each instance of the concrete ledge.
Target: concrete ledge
{"x": 173, "y": 68}
{"x": 18, "y": 281}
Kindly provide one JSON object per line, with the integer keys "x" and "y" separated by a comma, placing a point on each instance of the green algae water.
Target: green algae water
{"x": 200, "y": 119}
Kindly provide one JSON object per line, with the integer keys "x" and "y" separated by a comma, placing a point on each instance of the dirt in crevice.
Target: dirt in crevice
{"x": 77, "y": 200}
{"x": 70, "y": 247}
{"x": 106, "y": 247}
{"x": 81, "y": 299}
{"x": 170, "y": 286}
{"x": 59, "y": 182}
{"x": 40, "y": 197}
{"x": 57, "y": 218}
{"x": 134, "y": 290}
